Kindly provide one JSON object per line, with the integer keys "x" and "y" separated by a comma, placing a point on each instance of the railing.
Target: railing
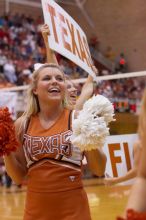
{"x": 22, "y": 2}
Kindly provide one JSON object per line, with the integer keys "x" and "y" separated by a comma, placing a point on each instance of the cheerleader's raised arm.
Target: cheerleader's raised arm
{"x": 90, "y": 130}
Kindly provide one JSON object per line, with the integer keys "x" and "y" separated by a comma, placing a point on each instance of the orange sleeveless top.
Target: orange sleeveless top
{"x": 54, "y": 164}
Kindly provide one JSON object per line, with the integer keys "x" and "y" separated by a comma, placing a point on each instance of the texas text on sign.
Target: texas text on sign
{"x": 66, "y": 37}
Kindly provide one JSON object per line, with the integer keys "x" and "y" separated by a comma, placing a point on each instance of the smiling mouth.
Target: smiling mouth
{"x": 73, "y": 96}
{"x": 56, "y": 90}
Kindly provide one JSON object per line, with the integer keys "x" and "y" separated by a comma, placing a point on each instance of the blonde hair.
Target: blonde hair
{"x": 32, "y": 107}
{"x": 142, "y": 116}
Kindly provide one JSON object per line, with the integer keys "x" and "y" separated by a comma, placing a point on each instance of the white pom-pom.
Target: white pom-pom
{"x": 37, "y": 66}
{"x": 101, "y": 107}
{"x": 90, "y": 128}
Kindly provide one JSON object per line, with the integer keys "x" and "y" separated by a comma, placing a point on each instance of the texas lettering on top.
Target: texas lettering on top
{"x": 78, "y": 44}
{"x": 50, "y": 146}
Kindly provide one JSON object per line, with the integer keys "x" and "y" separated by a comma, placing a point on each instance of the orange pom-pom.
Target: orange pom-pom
{"x": 133, "y": 215}
{"x": 8, "y": 142}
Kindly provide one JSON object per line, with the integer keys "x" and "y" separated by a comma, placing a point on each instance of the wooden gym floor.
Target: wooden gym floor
{"x": 106, "y": 202}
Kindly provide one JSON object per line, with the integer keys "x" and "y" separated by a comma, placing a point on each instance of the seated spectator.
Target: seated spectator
{"x": 10, "y": 72}
{"x": 122, "y": 64}
{"x": 24, "y": 77}
{"x": 3, "y": 60}
{"x": 4, "y": 83}
{"x": 94, "y": 43}
{"x": 109, "y": 54}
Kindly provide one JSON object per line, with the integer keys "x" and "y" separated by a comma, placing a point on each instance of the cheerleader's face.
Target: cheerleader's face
{"x": 72, "y": 92}
{"x": 50, "y": 85}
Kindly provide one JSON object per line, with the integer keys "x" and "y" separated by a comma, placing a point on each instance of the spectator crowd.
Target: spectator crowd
{"x": 21, "y": 45}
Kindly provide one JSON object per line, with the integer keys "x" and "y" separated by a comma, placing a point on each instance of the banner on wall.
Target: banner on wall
{"x": 66, "y": 36}
{"x": 9, "y": 99}
{"x": 119, "y": 152}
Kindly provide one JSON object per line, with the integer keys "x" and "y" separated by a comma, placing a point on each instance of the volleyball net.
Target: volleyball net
{"x": 123, "y": 89}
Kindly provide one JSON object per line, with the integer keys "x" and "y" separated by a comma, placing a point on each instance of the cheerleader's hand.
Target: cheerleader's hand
{"x": 45, "y": 32}
{"x": 90, "y": 129}
{"x": 109, "y": 181}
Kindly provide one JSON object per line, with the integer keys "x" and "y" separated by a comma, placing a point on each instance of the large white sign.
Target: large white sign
{"x": 9, "y": 99}
{"x": 119, "y": 152}
{"x": 66, "y": 37}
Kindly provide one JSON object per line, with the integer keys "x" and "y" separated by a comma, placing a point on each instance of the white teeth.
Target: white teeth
{"x": 73, "y": 95}
{"x": 54, "y": 90}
